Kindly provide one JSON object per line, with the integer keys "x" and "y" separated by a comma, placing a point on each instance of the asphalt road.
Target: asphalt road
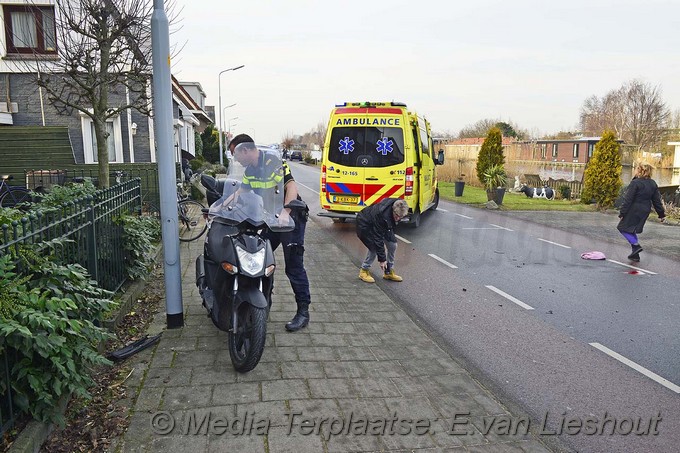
{"x": 548, "y": 332}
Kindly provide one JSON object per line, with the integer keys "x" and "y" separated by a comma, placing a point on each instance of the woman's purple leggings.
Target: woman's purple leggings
{"x": 630, "y": 237}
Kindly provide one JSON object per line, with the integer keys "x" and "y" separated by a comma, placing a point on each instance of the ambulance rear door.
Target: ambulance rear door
{"x": 365, "y": 164}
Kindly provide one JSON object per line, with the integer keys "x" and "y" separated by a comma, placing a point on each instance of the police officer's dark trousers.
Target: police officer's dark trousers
{"x": 293, "y": 244}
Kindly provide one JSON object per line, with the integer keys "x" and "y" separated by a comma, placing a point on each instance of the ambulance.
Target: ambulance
{"x": 377, "y": 150}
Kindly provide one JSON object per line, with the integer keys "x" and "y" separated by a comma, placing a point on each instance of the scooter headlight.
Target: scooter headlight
{"x": 251, "y": 263}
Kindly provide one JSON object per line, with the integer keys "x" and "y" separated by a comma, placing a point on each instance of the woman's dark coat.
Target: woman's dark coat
{"x": 641, "y": 195}
{"x": 375, "y": 224}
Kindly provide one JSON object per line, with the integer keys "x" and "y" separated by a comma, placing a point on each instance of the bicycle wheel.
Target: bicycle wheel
{"x": 192, "y": 224}
{"x": 15, "y": 197}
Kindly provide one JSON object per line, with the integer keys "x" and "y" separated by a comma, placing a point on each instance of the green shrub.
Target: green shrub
{"x": 50, "y": 322}
{"x": 139, "y": 235}
{"x": 59, "y": 195}
{"x": 491, "y": 152}
{"x": 565, "y": 191}
{"x": 602, "y": 176}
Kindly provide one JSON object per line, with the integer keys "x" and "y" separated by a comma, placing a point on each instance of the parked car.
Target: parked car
{"x": 295, "y": 154}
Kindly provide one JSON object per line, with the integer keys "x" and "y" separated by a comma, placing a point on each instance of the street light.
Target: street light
{"x": 229, "y": 126}
{"x": 222, "y": 116}
{"x": 219, "y": 95}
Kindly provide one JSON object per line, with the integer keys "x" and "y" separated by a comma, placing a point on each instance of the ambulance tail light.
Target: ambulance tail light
{"x": 323, "y": 178}
{"x": 409, "y": 181}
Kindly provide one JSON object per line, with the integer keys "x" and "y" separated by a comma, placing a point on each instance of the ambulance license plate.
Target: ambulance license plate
{"x": 345, "y": 199}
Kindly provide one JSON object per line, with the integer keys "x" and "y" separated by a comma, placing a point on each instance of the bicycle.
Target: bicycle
{"x": 191, "y": 220}
{"x": 13, "y": 196}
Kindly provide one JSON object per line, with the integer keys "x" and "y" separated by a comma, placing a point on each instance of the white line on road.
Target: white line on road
{"x": 443, "y": 261}
{"x": 308, "y": 188}
{"x": 650, "y": 374}
{"x": 442, "y": 210}
{"x": 502, "y": 228}
{"x": 644, "y": 271}
{"x": 510, "y": 298}
{"x": 402, "y": 239}
{"x": 461, "y": 215}
{"x": 554, "y": 243}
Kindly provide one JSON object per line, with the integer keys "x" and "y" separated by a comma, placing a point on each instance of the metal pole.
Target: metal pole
{"x": 162, "y": 106}
{"x": 219, "y": 101}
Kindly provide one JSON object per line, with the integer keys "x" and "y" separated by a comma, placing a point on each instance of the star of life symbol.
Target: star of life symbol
{"x": 346, "y": 145}
{"x": 384, "y": 146}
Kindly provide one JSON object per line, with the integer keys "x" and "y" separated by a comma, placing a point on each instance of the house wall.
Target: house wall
{"x": 22, "y": 89}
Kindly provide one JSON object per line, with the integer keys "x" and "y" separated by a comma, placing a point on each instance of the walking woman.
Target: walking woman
{"x": 641, "y": 195}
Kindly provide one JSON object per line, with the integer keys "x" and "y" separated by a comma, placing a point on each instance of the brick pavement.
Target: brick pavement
{"x": 361, "y": 360}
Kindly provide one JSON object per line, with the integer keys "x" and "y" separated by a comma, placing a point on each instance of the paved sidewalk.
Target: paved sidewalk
{"x": 361, "y": 364}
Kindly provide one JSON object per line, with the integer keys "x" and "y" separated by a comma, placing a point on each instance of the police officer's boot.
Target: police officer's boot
{"x": 300, "y": 320}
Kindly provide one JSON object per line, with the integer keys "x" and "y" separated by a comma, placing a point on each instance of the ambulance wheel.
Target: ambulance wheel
{"x": 436, "y": 200}
{"x": 415, "y": 219}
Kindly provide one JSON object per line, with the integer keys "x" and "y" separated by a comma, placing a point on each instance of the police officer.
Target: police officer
{"x": 264, "y": 170}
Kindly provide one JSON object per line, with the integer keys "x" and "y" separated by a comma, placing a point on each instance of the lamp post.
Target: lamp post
{"x": 229, "y": 128}
{"x": 223, "y": 114}
{"x": 219, "y": 95}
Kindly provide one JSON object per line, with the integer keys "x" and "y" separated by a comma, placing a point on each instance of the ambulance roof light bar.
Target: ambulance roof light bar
{"x": 371, "y": 104}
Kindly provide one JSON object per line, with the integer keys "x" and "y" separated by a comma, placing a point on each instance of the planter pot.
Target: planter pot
{"x": 496, "y": 195}
{"x": 459, "y": 186}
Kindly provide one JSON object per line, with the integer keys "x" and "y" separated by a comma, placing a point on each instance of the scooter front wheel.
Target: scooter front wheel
{"x": 247, "y": 343}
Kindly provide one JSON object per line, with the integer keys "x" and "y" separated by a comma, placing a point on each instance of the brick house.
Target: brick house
{"x": 27, "y": 32}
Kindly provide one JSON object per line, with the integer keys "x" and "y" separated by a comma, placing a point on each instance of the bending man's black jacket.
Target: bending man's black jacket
{"x": 375, "y": 225}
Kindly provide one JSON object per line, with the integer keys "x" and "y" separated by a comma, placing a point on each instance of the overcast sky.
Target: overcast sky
{"x": 532, "y": 62}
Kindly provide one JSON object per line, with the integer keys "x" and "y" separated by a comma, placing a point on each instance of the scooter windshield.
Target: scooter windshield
{"x": 254, "y": 191}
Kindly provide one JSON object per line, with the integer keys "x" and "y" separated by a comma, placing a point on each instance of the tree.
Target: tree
{"x": 211, "y": 145}
{"x": 482, "y": 127}
{"x": 287, "y": 141}
{"x": 602, "y": 176}
{"x": 198, "y": 144}
{"x": 102, "y": 68}
{"x": 478, "y": 129}
{"x": 635, "y": 112}
{"x": 491, "y": 152}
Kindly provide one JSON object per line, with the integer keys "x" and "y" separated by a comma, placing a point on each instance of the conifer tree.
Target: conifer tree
{"x": 602, "y": 177}
{"x": 491, "y": 152}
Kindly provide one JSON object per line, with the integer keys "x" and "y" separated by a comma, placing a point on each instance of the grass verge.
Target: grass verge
{"x": 476, "y": 196}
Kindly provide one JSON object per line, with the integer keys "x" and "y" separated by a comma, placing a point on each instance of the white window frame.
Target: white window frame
{"x": 88, "y": 151}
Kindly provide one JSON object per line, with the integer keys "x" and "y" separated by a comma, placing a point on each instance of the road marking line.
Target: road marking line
{"x": 443, "y": 210}
{"x": 510, "y": 298}
{"x": 402, "y": 239}
{"x": 554, "y": 243}
{"x": 650, "y": 374}
{"x": 308, "y": 188}
{"x": 502, "y": 228}
{"x": 464, "y": 216}
{"x": 644, "y": 271}
{"x": 443, "y": 261}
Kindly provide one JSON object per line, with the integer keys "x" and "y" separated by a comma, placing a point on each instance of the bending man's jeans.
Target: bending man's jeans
{"x": 370, "y": 257}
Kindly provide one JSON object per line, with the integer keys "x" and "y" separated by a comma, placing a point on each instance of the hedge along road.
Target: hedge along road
{"x": 548, "y": 332}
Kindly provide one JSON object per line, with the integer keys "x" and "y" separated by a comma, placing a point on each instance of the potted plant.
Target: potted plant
{"x": 459, "y": 185}
{"x": 494, "y": 180}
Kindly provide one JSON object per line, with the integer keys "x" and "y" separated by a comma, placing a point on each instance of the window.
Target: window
{"x": 544, "y": 150}
{"x": 114, "y": 140}
{"x": 366, "y": 146}
{"x": 554, "y": 150}
{"x": 30, "y": 29}
{"x": 575, "y": 155}
{"x": 591, "y": 148}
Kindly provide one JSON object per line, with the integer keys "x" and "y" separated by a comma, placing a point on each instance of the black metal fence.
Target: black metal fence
{"x": 95, "y": 241}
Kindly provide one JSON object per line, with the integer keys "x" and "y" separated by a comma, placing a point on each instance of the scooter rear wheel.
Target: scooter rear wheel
{"x": 247, "y": 343}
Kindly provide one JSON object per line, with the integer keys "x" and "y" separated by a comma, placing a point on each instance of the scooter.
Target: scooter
{"x": 235, "y": 273}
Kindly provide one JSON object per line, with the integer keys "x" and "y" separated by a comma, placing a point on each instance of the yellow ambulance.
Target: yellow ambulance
{"x": 377, "y": 150}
